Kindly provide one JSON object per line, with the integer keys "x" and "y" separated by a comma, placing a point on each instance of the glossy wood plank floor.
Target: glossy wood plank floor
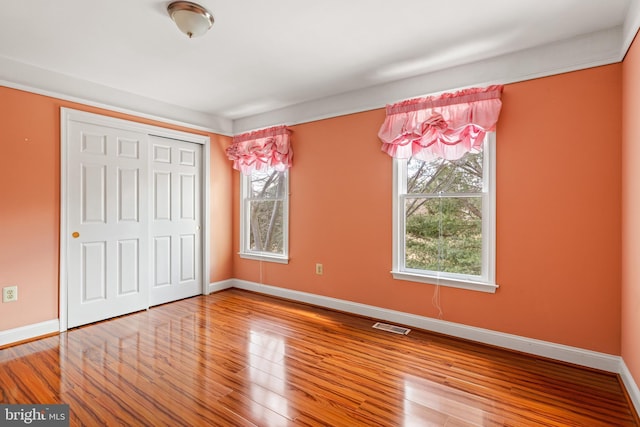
{"x": 240, "y": 359}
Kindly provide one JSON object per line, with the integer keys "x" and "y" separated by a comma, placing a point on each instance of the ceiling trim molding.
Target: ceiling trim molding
{"x": 592, "y": 50}
{"x": 17, "y": 75}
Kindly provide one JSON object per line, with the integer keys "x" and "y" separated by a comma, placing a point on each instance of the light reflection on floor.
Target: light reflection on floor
{"x": 266, "y": 366}
{"x": 426, "y": 400}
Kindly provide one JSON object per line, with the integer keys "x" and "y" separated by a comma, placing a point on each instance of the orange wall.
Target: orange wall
{"x": 30, "y": 203}
{"x": 631, "y": 211}
{"x": 558, "y": 216}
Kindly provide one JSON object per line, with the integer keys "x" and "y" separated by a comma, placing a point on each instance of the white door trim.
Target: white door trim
{"x": 68, "y": 115}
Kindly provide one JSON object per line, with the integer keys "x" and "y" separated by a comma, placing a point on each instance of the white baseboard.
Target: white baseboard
{"x": 631, "y": 385}
{"x": 578, "y": 356}
{"x": 220, "y": 286}
{"x": 23, "y": 333}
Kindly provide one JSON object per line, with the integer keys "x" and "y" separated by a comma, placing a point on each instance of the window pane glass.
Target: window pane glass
{"x": 267, "y": 184}
{"x": 447, "y": 176}
{"x": 444, "y": 234}
{"x": 266, "y": 226}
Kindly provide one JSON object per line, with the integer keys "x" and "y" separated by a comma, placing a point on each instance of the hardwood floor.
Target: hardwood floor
{"x": 237, "y": 358}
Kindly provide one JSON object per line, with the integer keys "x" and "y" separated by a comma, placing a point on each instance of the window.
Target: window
{"x": 263, "y": 157}
{"x": 444, "y": 187}
{"x": 444, "y": 219}
{"x": 264, "y": 215}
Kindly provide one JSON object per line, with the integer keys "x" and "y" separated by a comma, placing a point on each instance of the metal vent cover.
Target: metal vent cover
{"x": 392, "y": 328}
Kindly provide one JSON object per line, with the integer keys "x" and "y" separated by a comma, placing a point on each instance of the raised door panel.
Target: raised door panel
{"x": 162, "y": 195}
{"x": 128, "y": 262}
{"x": 94, "y": 272}
{"x": 187, "y": 257}
{"x": 93, "y": 193}
{"x": 187, "y": 196}
{"x": 162, "y": 261}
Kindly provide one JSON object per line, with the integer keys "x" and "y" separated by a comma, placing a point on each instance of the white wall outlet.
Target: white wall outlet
{"x": 319, "y": 269}
{"x": 10, "y": 294}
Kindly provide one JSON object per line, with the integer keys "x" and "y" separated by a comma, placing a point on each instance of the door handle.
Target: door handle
{"x": 75, "y": 234}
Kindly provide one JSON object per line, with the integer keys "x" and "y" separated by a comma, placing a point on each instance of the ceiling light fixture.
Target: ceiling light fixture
{"x": 192, "y": 19}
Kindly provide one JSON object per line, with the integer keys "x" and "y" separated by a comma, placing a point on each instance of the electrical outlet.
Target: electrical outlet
{"x": 10, "y": 294}
{"x": 319, "y": 269}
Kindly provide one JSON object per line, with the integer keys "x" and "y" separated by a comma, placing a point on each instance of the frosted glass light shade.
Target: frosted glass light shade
{"x": 192, "y": 19}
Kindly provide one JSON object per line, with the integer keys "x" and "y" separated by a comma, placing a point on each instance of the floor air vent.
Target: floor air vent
{"x": 392, "y": 328}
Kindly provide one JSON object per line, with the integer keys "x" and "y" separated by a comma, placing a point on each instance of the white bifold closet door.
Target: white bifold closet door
{"x": 175, "y": 220}
{"x": 107, "y": 213}
{"x": 133, "y": 205}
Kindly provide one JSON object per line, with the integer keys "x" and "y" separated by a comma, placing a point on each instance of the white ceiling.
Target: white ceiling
{"x": 293, "y": 60}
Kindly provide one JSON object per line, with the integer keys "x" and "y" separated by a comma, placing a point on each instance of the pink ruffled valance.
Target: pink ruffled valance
{"x": 258, "y": 149}
{"x": 446, "y": 126}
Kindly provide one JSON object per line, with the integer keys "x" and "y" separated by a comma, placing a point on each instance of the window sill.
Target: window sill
{"x": 442, "y": 281}
{"x": 265, "y": 257}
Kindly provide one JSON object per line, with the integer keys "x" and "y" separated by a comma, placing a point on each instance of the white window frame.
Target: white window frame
{"x": 245, "y": 223}
{"x": 486, "y": 281}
